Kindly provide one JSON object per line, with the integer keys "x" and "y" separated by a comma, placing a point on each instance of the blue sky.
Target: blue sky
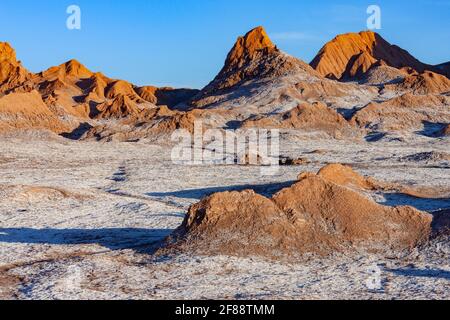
{"x": 183, "y": 43}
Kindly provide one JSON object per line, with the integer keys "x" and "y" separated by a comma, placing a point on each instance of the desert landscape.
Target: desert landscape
{"x": 93, "y": 205}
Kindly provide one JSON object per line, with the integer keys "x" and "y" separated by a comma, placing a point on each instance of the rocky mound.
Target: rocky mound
{"x": 346, "y": 176}
{"x": 121, "y": 107}
{"x": 121, "y": 88}
{"x": 316, "y": 215}
{"x": 94, "y": 88}
{"x": 71, "y": 68}
{"x": 308, "y": 117}
{"x": 358, "y": 66}
{"x": 382, "y": 74}
{"x": 12, "y": 73}
{"x": 27, "y": 110}
{"x": 423, "y": 83}
{"x": 148, "y": 93}
{"x": 252, "y": 62}
{"x": 139, "y": 123}
{"x": 175, "y": 121}
{"x": 351, "y": 55}
{"x": 406, "y": 112}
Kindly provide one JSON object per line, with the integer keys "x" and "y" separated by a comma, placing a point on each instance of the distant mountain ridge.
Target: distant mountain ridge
{"x": 259, "y": 85}
{"x": 75, "y": 93}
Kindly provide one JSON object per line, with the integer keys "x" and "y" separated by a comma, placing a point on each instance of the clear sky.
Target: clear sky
{"x": 183, "y": 43}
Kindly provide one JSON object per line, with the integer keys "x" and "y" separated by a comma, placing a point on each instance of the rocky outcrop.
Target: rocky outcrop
{"x": 351, "y": 55}
{"x": 381, "y": 74}
{"x": 71, "y": 68}
{"x": 120, "y": 88}
{"x": 255, "y": 45}
{"x": 121, "y": 107}
{"x": 307, "y": 117}
{"x": 407, "y": 112}
{"x": 422, "y": 83}
{"x": 12, "y": 73}
{"x": 345, "y": 176}
{"x": 317, "y": 215}
{"x": 27, "y": 110}
{"x": 253, "y": 58}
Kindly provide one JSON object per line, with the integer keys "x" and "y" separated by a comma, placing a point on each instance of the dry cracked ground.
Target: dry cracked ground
{"x": 81, "y": 220}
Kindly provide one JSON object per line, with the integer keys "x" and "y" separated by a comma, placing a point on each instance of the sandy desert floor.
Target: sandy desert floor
{"x": 80, "y": 220}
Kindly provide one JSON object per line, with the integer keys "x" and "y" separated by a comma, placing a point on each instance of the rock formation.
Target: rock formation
{"x": 252, "y": 61}
{"x": 71, "y": 68}
{"x": 319, "y": 214}
{"x": 258, "y": 79}
{"x": 347, "y": 177}
{"x": 27, "y": 110}
{"x": 307, "y": 117}
{"x": 240, "y": 63}
{"x": 422, "y": 83}
{"x": 381, "y": 74}
{"x": 12, "y": 73}
{"x": 259, "y": 86}
{"x": 351, "y": 55}
{"x": 74, "y": 94}
{"x": 406, "y": 112}
{"x": 122, "y": 106}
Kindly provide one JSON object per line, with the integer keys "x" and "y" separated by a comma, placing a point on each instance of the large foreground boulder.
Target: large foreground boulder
{"x": 313, "y": 216}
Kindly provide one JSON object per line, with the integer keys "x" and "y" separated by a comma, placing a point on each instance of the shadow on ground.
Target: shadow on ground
{"x": 78, "y": 132}
{"x": 424, "y": 204}
{"x": 431, "y": 129}
{"x": 140, "y": 240}
{"x": 375, "y": 136}
{"x": 267, "y": 190}
{"x": 422, "y": 273}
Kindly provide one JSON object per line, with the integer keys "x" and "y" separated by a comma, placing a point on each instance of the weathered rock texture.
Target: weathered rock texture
{"x": 307, "y": 117}
{"x": 320, "y": 214}
{"x": 406, "y": 112}
{"x": 353, "y": 54}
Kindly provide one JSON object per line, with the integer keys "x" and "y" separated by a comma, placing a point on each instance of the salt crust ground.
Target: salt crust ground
{"x": 79, "y": 220}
